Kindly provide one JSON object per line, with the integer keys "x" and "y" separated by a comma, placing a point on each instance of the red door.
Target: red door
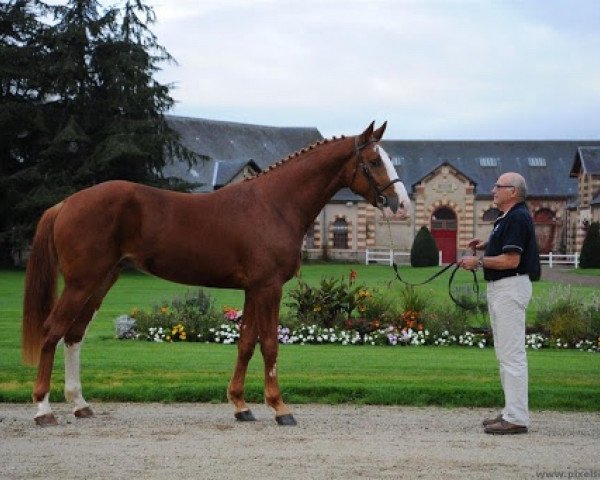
{"x": 545, "y": 227}
{"x": 443, "y": 229}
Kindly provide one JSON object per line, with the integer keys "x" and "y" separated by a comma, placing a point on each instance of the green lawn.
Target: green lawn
{"x": 143, "y": 371}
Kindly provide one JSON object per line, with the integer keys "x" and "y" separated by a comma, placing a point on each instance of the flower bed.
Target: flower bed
{"x": 343, "y": 313}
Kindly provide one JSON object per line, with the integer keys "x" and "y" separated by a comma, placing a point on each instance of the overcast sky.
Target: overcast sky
{"x": 450, "y": 69}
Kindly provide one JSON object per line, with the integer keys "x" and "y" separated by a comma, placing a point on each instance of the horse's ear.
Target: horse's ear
{"x": 377, "y": 134}
{"x": 366, "y": 135}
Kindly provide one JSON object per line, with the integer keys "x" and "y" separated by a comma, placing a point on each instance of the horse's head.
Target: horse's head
{"x": 373, "y": 174}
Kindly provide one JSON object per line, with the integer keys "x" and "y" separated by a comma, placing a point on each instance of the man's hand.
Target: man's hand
{"x": 476, "y": 244}
{"x": 469, "y": 262}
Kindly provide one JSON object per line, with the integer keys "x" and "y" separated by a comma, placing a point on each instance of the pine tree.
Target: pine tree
{"x": 78, "y": 106}
{"x": 424, "y": 252}
{"x": 590, "y": 250}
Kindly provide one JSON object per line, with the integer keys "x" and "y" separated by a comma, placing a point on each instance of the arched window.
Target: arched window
{"x": 443, "y": 218}
{"x": 544, "y": 215}
{"x": 340, "y": 233}
{"x": 491, "y": 215}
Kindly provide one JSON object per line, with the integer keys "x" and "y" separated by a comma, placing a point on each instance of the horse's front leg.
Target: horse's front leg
{"x": 267, "y": 318}
{"x": 246, "y": 344}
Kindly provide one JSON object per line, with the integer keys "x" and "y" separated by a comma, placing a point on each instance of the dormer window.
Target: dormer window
{"x": 488, "y": 161}
{"x": 536, "y": 161}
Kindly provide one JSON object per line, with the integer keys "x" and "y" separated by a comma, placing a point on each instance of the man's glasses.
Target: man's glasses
{"x": 503, "y": 186}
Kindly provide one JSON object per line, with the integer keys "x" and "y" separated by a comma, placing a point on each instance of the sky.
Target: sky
{"x": 433, "y": 69}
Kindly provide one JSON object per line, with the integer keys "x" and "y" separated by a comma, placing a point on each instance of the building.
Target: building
{"x": 449, "y": 182}
{"x": 586, "y": 208}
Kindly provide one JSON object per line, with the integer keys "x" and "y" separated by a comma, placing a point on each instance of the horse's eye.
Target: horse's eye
{"x": 375, "y": 163}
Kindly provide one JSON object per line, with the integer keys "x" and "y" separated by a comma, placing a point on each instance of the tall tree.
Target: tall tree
{"x": 86, "y": 109}
{"x": 590, "y": 250}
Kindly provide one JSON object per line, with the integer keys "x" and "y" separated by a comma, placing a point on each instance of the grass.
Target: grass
{"x": 143, "y": 371}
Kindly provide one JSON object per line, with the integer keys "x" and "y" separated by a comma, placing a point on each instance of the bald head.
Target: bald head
{"x": 517, "y": 181}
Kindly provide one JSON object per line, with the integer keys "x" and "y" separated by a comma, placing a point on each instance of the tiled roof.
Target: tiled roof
{"x": 546, "y": 165}
{"x": 474, "y": 159}
{"x": 233, "y": 141}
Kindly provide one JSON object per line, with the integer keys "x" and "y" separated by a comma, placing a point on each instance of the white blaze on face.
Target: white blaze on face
{"x": 399, "y": 187}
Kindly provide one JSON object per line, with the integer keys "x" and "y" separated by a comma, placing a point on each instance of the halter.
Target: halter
{"x": 381, "y": 199}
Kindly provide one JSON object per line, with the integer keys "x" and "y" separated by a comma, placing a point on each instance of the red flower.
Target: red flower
{"x": 353, "y": 276}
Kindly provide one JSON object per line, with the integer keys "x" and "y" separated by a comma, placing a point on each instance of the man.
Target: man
{"x": 510, "y": 259}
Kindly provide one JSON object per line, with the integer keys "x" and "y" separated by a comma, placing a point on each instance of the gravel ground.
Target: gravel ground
{"x": 563, "y": 275}
{"x": 203, "y": 441}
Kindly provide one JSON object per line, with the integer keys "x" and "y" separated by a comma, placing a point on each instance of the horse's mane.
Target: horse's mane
{"x": 293, "y": 155}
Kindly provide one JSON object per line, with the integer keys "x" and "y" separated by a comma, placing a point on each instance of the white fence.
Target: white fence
{"x": 388, "y": 256}
{"x": 552, "y": 259}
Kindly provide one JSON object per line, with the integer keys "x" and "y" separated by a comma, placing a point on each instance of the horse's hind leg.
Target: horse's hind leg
{"x": 68, "y": 307}
{"x": 73, "y": 342}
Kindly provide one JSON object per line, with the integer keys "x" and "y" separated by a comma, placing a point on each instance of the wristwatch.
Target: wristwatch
{"x": 480, "y": 262}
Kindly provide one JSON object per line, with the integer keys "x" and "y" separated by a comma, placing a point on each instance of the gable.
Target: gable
{"x": 587, "y": 160}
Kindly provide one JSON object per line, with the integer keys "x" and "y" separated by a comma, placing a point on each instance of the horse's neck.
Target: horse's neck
{"x": 302, "y": 188}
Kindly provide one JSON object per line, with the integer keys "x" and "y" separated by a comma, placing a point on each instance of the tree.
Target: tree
{"x": 424, "y": 251}
{"x": 590, "y": 250}
{"x": 78, "y": 106}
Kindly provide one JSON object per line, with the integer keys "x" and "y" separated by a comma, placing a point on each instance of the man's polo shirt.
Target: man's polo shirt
{"x": 513, "y": 232}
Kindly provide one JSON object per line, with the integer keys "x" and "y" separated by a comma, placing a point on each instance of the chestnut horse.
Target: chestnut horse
{"x": 246, "y": 236}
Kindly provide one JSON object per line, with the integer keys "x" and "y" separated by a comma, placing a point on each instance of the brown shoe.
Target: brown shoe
{"x": 490, "y": 421}
{"x": 505, "y": 428}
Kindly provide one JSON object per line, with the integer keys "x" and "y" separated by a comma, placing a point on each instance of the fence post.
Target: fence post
{"x": 439, "y": 258}
{"x": 576, "y": 260}
{"x": 550, "y": 259}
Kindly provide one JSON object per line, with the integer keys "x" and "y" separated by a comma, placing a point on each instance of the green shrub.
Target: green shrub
{"x": 592, "y": 312}
{"x": 466, "y": 296}
{"x": 329, "y": 304}
{"x": 438, "y": 319}
{"x": 590, "y": 250}
{"x": 424, "y": 251}
{"x": 564, "y": 314}
{"x": 186, "y": 318}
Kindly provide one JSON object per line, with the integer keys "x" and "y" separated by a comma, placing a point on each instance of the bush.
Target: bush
{"x": 424, "y": 251}
{"x": 445, "y": 320}
{"x": 566, "y": 316}
{"x": 328, "y": 305}
{"x": 187, "y": 318}
{"x": 590, "y": 251}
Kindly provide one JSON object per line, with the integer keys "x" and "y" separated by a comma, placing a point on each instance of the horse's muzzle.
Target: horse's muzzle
{"x": 389, "y": 201}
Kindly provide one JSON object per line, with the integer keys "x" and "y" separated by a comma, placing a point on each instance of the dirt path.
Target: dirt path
{"x": 565, "y": 275}
{"x": 203, "y": 441}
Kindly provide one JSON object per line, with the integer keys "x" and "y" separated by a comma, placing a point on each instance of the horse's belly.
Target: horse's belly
{"x": 191, "y": 270}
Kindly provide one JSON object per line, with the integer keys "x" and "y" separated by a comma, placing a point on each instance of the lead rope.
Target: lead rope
{"x": 463, "y": 305}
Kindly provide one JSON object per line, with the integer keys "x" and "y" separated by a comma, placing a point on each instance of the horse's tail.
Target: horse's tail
{"x": 40, "y": 286}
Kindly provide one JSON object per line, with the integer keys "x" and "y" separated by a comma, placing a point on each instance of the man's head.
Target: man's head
{"x": 509, "y": 190}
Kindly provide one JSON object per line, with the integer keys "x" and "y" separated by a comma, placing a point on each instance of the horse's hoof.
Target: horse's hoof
{"x": 85, "y": 412}
{"x": 245, "y": 416}
{"x": 46, "y": 420}
{"x": 286, "y": 420}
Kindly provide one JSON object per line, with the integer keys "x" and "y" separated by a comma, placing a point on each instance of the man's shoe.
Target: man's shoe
{"x": 505, "y": 428}
{"x": 491, "y": 421}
